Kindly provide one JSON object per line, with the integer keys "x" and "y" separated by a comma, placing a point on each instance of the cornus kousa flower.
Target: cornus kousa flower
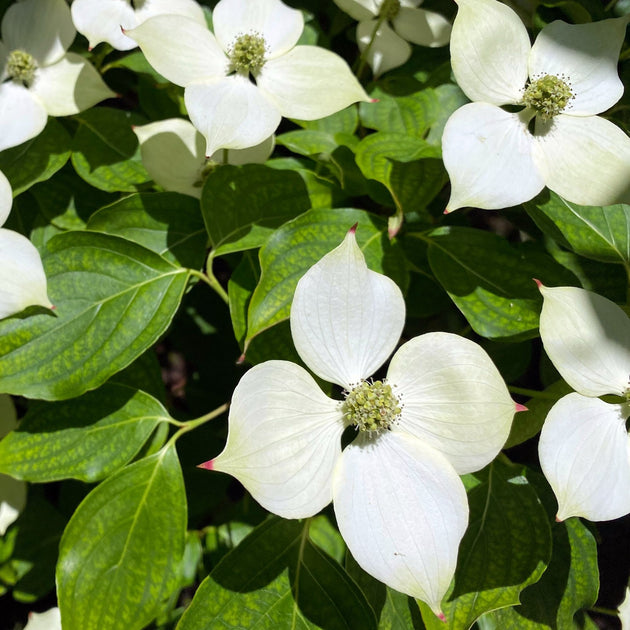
{"x": 240, "y": 81}
{"x": 442, "y": 411}
{"x": 385, "y": 27}
{"x": 584, "y": 442}
{"x": 12, "y": 491}
{"x": 498, "y": 158}
{"x": 22, "y": 277}
{"x": 173, "y": 152}
{"x": 39, "y": 78}
{"x": 100, "y": 20}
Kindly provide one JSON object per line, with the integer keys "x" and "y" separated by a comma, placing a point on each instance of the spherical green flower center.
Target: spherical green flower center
{"x": 389, "y": 9}
{"x": 247, "y": 54}
{"x": 21, "y": 67}
{"x": 548, "y": 96}
{"x": 371, "y": 407}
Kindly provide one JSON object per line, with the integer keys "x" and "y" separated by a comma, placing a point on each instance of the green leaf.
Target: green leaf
{"x": 113, "y": 301}
{"x": 38, "y": 159}
{"x": 106, "y": 152}
{"x": 276, "y": 579}
{"x": 450, "y": 97}
{"x": 300, "y": 243}
{"x": 343, "y": 121}
{"x": 120, "y": 554}
{"x": 85, "y": 438}
{"x": 600, "y": 233}
{"x": 491, "y": 281}
{"x": 168, "y": 223}
{"x": 569, "y": 585}
{"x": 506, "y": 547}
{"x": 242, "y": 205}
{"x": 308, "y": 141}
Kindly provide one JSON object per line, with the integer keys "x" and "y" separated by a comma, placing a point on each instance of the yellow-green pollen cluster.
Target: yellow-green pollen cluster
{"x": 371, "y": 407}
{"x": 548, "y": 96}
{"x": 389, "y": 9}
{"x": 247, "y": 54}
{"x": 21, "y": 67}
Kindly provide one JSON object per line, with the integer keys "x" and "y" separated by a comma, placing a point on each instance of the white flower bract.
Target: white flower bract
{"x": 584, "y": 447}
{"x": 398, "y": 499}
{"x": 409, "y": 23}
{"x": 173, "y": 152}
{"x": 242, "y": 79}
{"x": 101, "y": 20}
{"x": 38, "y": 77}
{"x": 563, "y": 81}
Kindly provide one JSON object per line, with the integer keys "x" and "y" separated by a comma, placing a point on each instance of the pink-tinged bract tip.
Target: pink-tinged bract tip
{"x": 442, "y": 617}
{"x": 447, "y": 211}
{"x": 353, "y": 229}
{"x": 241, "y": 359}
{"x": 53, "y": 307}
{"x": 209, "y": 465}
{"x": 539, "y": 284}
{"x": 374, "y": 100}
{"x": 520, "y": 407}
{"x": 558, "y": 519}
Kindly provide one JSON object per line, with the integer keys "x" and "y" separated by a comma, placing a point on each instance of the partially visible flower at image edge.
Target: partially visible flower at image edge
{"x": 583, "y": 444}
{"x": 562, "y": 82}
{"x": 22, "y": 278}
{"x": 442, "y": 411}
{"x": 397, "y": 22}
{"x": 173, "y": 152}
{"x": 240, "y": 81}
{"x": 38, "y": 77}
{"x": 49, "y": 620}
{"x": 101, "y": 21}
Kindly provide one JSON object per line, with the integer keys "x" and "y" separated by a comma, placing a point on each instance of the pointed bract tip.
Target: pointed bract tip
{"x": 442, "y": 617}
{"x": 241, "y": 359}
{"x": 90, "y": 48}
{"x": 539, "y": 284}
{"x": 53, "y": 307}
{"x": 374, "y": 100}
{"x": 520, "y": 407}
{"x": 353, "y": 229}
{"x": 558, "y": 519}
{"x": 447, "y": 211}
{"x": 124, "y": 32}
{"x": 209, "y": 465}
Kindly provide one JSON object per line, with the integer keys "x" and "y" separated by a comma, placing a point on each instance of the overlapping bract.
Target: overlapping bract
{"x": 493, "y": 159}
{"x": 399, "y": 502}
{"x": 231, "y": 110}
{"x": 584, "y": 450}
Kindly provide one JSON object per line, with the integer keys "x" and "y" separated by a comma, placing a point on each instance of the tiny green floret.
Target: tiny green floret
{"x": 548, "y": 96}
{"x": 389, "y": 9}
{"x": 21, "y": 67}
{"x": 371, "y": 407}
{"x": 247, "y": 54}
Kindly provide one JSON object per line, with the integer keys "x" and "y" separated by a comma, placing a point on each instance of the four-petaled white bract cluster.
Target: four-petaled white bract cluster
{"x": 493, "y": 159}
{"x": 39, "y": 78}
{"x": 584, "y": 442}
{"x": 173, "y": 152}
{"x": 101, "y": 20}
{"x": 22, "y": 277}
{"x": 406, "y": 22}
{"x": 235, "y": 106}
{"x": 399, "y": 503}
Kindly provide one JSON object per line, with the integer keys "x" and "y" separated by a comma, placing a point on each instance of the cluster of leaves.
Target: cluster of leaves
{"x": 115, "y": 386}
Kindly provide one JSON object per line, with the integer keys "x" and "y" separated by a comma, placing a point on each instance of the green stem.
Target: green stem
{"x": 604, "y": 611}
{"x": 531, "y": 393}
{"x": 189, "y": 425}
{"x": 366, "y": 51}
{"x": 210, "y": 279}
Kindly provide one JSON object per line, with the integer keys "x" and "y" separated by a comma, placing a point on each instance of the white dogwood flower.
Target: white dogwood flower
{"x": 498, "y": 158}
{"x": 49, "y": 620}
{"x": 584, "y": 442}
{"x": 22, "y": 277}
{"x": 38, "y": 77}
{"x": 240, "y": 81}
{"x": 442, "y": 411}
{"x": 101, "y": 20}
{"x": 391, "y": 24}
{"x": 173, "y": 152}
{"x": 12, "y": 491}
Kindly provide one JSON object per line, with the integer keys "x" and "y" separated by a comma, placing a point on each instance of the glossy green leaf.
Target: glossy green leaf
{"x": 121, "y": 551}
{"x": 168, "y": 223}
{"x": 113, "y": 300}
{"x": 106, "y": 152}
{"x": 300, "y": 243}
{"x": 85, "y": 438}
{"x": 313, "y": 142}
{"x": 601, "y": 233}
{"x": 38, "y": 159}
{"x": 491, "y": 281}
{"x": 242, "y": 205}
{"x": 276, "y": 579}
{"x": 568, "y": 587}
{"x": 450, "y": 97}
{"x": 343, "y": 121}
{"x": 506, "y": 547}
